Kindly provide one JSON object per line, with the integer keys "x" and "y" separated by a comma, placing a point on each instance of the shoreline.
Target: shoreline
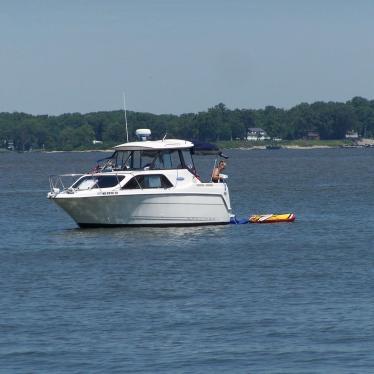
{"x": 263, "y": 147}
{"x": 256, "y": 147}
{"x": 253, "y": 148}
{"x": 365, "y": 143}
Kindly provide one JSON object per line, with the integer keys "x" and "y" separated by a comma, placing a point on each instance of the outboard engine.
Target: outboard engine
{"x": 143, "y": 134}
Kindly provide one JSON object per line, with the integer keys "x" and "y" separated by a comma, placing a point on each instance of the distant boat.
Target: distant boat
{"x": 273, "y": 146}
{"x": 203, "y": 148}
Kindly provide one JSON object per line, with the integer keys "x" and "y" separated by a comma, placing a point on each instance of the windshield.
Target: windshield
{"x": 153, "y": 159}
{"x": 97, "y": 181}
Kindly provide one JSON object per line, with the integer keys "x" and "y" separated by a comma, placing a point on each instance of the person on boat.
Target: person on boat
{"x": 216, "y": 178}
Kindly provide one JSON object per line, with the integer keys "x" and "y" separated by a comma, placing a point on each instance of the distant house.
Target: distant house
{"x": 10, "y": 145}
{"x": 97, "y": 142}
{"x": 351, "y": 135}
{"x": 312, "y": 135}
{"x": 256, "y": 134}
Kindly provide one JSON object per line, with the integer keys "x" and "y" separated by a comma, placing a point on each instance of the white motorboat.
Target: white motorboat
{"x": 143, "y": 183}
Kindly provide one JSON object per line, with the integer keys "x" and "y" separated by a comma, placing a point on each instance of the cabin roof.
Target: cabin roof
{"x": 154, "y": 144}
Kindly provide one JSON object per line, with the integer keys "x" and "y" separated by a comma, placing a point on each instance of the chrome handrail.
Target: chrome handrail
{"x": 56, "y": 182}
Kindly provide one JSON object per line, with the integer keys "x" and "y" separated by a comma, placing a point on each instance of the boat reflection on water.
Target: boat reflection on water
{"x": 129, "y": 237}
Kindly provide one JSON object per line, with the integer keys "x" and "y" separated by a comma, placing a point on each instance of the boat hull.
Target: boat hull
{"x": 146, "y": 209}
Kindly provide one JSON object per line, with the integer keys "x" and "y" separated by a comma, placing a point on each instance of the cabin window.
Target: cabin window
{"x": 187, "y": 159}
{"x": 160, "y": 160}
{"x": 148, "y": 181}
{"x": 121, "y": 159}
{"x": 147, "y": 159}
{"x": 99, "y": 181}
{"x": 153, "y": 159}
{"x": 171, "y": 160}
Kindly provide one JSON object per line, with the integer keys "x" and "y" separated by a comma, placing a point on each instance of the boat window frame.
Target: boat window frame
{"x": 96, "y": 179}
{"x": 141, "y": 185}
{"x": 128, "y": 163}
{"x": 190, "y": 151}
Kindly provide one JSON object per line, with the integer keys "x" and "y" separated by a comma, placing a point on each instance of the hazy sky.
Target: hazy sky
{"x": 179, "y": 56}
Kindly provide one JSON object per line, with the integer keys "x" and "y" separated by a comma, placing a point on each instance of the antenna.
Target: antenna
{"x": 124, "y": 108}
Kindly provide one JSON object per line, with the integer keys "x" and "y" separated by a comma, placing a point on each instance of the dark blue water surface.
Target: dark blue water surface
{"x": 282, "y": 298}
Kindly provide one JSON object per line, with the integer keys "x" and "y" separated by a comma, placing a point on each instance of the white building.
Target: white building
{"x": 351, "y": 135}
{"x": 257, "y": 134}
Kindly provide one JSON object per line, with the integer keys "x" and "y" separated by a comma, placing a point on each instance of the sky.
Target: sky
{"x": 182, "y": 56}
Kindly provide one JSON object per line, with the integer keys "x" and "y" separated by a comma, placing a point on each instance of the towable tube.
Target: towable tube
{"x": 272, "y": 218}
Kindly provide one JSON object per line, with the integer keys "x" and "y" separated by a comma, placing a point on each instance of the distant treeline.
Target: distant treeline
{"x": 77, "y": 131}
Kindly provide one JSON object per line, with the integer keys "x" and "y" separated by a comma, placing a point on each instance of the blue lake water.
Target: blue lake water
{"x": 281, "y": 298}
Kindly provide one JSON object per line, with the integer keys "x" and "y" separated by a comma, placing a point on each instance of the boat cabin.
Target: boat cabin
{"x": 151, "y": 155}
